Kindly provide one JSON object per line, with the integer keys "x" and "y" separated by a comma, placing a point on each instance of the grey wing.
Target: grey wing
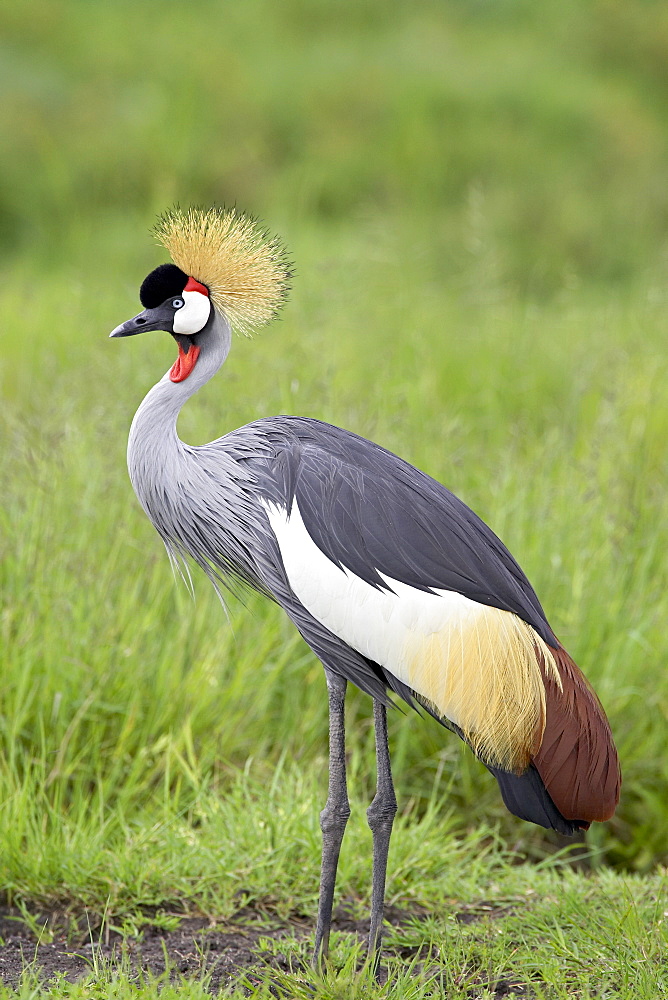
{"x": 371, "y": 512}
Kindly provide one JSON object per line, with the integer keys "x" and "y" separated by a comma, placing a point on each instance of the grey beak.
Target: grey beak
{"x": 160, "y": 318}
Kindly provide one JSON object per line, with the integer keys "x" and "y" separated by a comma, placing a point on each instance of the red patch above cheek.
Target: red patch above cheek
{"x": 195, "y": 286}
{"x": 184, "y": 364}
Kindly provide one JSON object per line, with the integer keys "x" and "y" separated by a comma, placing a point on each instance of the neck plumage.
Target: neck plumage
{"x": 155, "y": 450}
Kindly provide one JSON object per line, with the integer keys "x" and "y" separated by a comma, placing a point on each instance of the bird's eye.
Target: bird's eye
{"x": 177, "y": 303}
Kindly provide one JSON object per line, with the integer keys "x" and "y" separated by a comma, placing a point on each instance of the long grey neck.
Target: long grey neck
{"x": 153, "y": 439}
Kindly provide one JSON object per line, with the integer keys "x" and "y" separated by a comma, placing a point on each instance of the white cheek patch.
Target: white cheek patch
{"x": 194, "y": 314}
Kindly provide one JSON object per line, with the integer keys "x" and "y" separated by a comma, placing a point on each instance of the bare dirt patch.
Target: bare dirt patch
{"x": 221, "y": 951}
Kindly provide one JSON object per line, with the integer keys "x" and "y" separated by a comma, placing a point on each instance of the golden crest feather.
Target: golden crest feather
{"x": 245, "y": 269}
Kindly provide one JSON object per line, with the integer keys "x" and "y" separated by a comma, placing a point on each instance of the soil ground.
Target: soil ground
{"x": 224, "y": 951}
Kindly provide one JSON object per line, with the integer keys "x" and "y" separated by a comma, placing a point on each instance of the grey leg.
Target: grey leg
{"x": 334, "y": 816}
{"x": 380, "y": 815}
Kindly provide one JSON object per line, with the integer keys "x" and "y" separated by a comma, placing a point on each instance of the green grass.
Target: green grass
{"x": 474, "y": 196}
{"x": 482, "y": 919}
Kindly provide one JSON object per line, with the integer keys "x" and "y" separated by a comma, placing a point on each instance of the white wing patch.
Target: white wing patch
{"x": 476, "y": 665}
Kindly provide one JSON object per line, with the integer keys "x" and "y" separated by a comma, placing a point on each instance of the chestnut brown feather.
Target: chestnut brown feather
{"x": 577, "y": 759}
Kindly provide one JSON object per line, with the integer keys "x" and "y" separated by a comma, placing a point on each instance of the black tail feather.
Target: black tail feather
{"x": 526, "y": 796}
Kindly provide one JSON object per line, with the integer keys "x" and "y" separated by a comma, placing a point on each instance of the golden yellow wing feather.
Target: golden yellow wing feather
{"x": 484, "y": 674}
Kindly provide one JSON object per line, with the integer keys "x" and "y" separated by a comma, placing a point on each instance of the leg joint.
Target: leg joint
{"x": 334, "y": 817}
{"x": 382, "y": 811}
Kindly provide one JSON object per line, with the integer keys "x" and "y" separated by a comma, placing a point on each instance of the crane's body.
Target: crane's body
{"x": 393, "y": 582}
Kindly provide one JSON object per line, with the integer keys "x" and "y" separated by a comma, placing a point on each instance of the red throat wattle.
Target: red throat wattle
{"x": 184, "y": 364}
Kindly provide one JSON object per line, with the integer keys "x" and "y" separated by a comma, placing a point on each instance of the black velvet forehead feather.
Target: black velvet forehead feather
{"x": 160, "y": 284}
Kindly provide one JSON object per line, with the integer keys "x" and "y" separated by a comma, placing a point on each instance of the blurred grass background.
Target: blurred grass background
{"x": 475, "y": 197}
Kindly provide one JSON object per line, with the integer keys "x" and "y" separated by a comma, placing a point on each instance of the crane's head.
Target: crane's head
{"x": 223, "y": 263}
{"x": 176, "y": 303}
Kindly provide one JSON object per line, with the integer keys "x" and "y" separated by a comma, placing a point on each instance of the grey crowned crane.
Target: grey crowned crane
{"x": 392, "y": 581}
